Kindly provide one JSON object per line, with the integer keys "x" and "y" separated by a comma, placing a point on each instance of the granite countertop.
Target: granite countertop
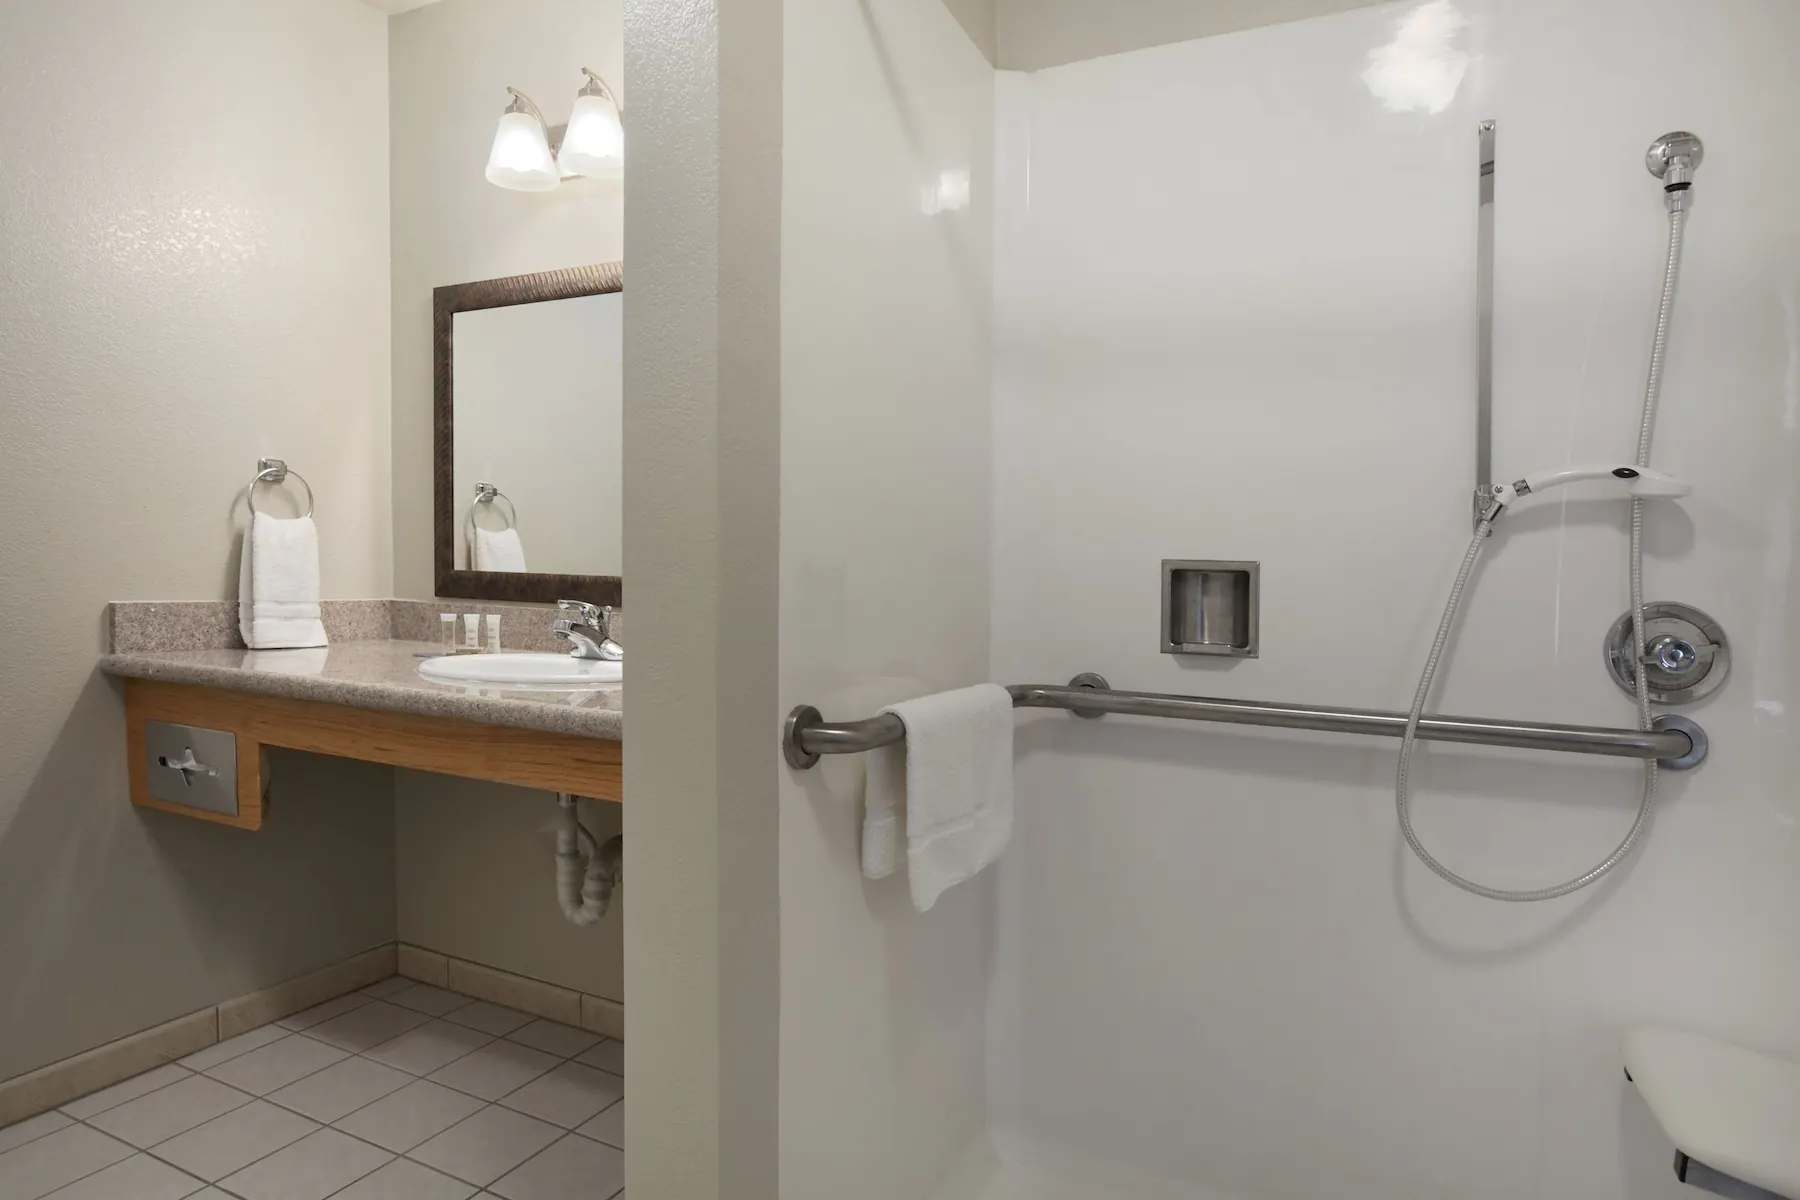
{"x": 380, "y": 674}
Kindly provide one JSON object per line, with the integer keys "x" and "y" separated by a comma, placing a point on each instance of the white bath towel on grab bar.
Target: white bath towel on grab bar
{"x": 278, "y": 584}
{"x": 952, "y": 780}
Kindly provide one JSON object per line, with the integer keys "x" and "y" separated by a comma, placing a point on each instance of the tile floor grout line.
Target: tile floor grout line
{"x": 410, "y": 1077}
{"x": 485, "y": 1105}
{"x": 220, "y": 1183}
{"x": 590, "y": 1137}
{"x": 348, "y": 1054}
{"x": 59, "y": 1112}
{"x": 71, "y": 1182}
{"x": 150, "y": 1151}
{"x": 285, "y": 1032}
{"x": 121, "y": 1104}
{"x": 557, "y": 1141}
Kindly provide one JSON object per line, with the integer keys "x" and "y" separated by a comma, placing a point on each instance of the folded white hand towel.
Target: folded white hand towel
{"x": 953, "y": 779}
{"x": 498, "y": 550}
{"x": 278, "y": 584}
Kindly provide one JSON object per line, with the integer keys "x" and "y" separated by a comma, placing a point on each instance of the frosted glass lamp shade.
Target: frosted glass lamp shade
{"x": 595, "y": 142}
{"x": 521, "y": 158}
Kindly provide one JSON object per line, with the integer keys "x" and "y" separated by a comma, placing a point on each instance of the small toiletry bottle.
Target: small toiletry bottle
{"x": 447, "y": 633}
{"x": 493, "y": 633}
{"x": 472, "y": 633}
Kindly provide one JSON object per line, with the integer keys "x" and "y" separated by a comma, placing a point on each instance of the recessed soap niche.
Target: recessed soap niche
{"x": 1209, "y": 606}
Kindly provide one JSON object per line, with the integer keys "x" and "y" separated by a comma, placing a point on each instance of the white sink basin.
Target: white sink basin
{"x": 530, "y": 671}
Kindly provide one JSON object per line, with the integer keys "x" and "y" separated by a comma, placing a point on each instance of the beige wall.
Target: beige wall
{"x": 1042, "y": 33}
{"x": 885, "y": 477}
{"x": 449, "y": 66}
{"x": 196, "y": 244}
{"x": 702, "y": 396}
{"x": 476, "y": 879}
{"x": 474, "y": 858}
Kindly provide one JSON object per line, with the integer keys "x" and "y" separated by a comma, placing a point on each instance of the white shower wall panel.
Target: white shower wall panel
{"x": 1235, "y": 319}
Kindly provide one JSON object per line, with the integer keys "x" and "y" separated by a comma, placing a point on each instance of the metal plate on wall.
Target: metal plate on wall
{"x": 1211, "y": 606}
{"x": 191, "y": 766}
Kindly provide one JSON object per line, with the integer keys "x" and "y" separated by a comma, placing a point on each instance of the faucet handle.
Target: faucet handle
{"x": 599, "y": 616}
{"x": 581, "y": 608}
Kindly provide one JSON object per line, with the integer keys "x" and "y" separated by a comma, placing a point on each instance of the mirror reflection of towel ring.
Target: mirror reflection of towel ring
{"x": 273, "y": 470}
{"x": 487, "y": 493}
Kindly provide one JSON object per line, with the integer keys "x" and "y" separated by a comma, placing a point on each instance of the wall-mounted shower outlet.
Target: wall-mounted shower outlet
{"x": 1210, "y": 607}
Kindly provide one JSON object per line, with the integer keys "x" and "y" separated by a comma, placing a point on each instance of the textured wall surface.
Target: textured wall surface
{"x": 702, "y": 490}
{"x": 887, "y": 251}
{"x": 1222, "y": 965}
{"x": 473, "y": 850}
{"x": 194, "y": 212}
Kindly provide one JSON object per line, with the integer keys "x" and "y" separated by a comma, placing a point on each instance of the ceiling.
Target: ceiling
{"x": 1030, "y": 34}
{"x": 397, "y": 6}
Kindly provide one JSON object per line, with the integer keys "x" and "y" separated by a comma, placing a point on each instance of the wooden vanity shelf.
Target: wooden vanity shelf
{"x": 563, "y": 762}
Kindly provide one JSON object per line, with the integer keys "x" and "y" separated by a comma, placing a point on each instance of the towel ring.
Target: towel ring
{"x": 273, "y": 470}
{"x": 487, "y": 493}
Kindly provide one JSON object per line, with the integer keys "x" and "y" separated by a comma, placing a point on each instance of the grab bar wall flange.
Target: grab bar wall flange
{"x": 806, "y": 735}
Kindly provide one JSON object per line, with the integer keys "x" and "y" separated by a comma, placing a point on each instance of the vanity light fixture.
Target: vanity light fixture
{"x": 523, "y": 158}
{"x": 594, "y": 144}
{"x": 520, "y": 159}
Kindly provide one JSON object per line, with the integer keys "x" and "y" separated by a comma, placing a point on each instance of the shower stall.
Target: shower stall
{"x": 1236, "y": 303}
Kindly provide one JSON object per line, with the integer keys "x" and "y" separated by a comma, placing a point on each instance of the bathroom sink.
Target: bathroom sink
{"x": 521, "y": 670}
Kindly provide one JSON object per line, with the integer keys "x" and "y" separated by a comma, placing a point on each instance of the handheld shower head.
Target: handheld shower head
{"x": 1673, "y": 158}
{"x": 1640, "y": 483}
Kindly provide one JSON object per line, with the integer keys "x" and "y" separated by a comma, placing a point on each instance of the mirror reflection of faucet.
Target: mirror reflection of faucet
{"x": 588, "y": 631}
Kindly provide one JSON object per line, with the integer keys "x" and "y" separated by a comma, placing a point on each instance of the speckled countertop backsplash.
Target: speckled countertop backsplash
{"x": 145, "y": 627}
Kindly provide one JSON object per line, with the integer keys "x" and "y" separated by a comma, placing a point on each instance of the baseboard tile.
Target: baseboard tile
{"x": 596, "y": 1014}
{"x": 425, "y": 966}
{"x": 603, "y": 1016}
{"x": 58, "y": 1083}
{"x": 244, "y": 1013}
{"x": 515, "y": 991}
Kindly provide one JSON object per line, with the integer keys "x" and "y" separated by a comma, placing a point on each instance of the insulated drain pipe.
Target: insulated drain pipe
{"x": 585, "y": 879}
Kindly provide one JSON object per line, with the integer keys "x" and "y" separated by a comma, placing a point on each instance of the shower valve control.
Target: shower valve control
{"x": 1686, "y": 653}
{"x": 1673, "y": 655}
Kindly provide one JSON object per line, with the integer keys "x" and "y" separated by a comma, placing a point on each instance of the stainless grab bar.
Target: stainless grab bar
{"x": 1675, "y": 741}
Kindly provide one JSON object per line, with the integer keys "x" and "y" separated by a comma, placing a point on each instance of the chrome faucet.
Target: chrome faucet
{"x": 589, "y": 633}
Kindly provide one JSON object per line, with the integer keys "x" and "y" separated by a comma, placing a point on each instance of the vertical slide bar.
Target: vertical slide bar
{"x": 1484, "y": 323}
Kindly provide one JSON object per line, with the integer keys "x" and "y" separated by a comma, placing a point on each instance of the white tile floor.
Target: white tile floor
{"x": 399, "y": 1092}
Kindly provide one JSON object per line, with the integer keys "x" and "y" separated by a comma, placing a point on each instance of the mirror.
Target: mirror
{"x": 527, "y": 434}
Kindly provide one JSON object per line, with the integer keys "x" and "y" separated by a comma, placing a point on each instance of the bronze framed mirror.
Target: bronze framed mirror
{"x": 526, "y": 436}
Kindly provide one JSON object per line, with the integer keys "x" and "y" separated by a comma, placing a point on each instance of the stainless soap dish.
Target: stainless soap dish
{"x": 1210, "y": 607}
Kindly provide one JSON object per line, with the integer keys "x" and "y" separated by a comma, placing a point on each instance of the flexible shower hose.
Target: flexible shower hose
{"x": 1410, "y": 740}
